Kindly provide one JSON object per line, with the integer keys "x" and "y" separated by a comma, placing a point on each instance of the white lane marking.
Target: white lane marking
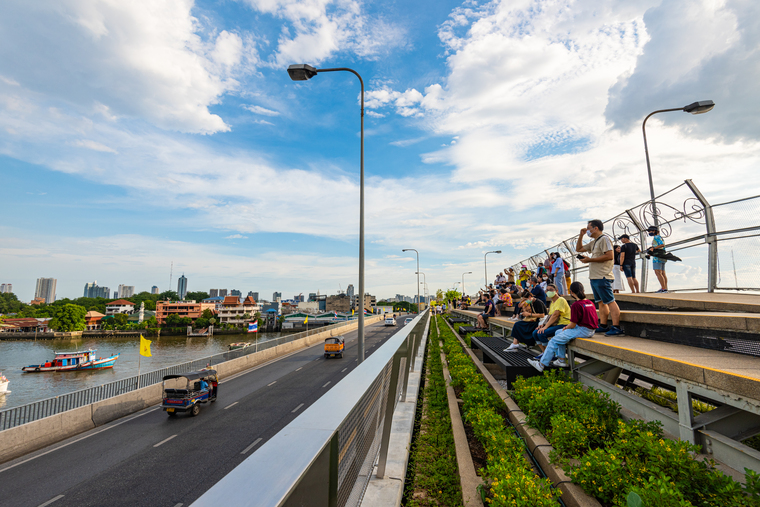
{"x": 356, "y": 359}
{"x": 251, "y": 446}
{"x": 344, "y": 369}
{"x": 51, "y": 501}
{"x": 299, "y": 368}
{"x": 296, "y": 409}
{"x": 273, "y": 383}
{"x": 230, "y": 405}
{"x": 80, "y": 439}
{"x": 164, "y": 441}
{"x": 328, "y": 383}
{"x": 179, "y": 505}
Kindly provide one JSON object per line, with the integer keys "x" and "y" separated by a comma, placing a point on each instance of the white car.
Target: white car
{"x": 390, "y": 321}
{"x": 408, "y": 320}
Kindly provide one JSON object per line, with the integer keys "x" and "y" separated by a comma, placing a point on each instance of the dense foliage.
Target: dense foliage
{"x": 513, "y": 482}
{"x": 69, "y": 318}
{"x": 609, "y": 457}
{"x": 433, "y": 472}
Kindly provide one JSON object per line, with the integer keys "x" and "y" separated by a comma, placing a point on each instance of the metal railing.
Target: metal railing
{"x": 326, "y": 456}
{"x": 17, "y": 416}
{"x": 688, "y": 224}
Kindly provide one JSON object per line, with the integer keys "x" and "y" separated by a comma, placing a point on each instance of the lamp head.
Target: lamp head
{"x": 700, "y": 107}
{"x": 498, "y": 251}
{"x": 301, "y": 72}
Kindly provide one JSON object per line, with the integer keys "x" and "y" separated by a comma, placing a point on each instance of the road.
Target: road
{"x": 150, "y": 459}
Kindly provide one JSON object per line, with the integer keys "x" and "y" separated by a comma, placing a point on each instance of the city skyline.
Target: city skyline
{"x": 242, "y": 178}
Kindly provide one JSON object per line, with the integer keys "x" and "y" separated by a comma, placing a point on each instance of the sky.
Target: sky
{"x": 147, "y": 134}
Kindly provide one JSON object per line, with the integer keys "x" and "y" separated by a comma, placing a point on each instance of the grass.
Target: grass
{"x": 433, "y": 475}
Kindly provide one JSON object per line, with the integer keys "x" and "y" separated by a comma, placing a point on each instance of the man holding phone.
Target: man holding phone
{"x": 600, "y": 264}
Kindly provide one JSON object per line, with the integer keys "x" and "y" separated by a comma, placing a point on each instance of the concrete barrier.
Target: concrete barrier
{"x": 29, "y": 437}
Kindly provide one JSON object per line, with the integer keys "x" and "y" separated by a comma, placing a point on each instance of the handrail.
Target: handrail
{"x": 316, "y": 459}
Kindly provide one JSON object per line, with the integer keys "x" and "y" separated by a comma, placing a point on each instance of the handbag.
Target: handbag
{"x": 543, "y": 320}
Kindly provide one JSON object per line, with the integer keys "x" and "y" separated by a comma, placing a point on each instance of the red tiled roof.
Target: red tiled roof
{"x": 249, "y": 301}
{"x": 23, "y": 322}
{"x": 121, "y": 302}
{"x": 231, "y": 300}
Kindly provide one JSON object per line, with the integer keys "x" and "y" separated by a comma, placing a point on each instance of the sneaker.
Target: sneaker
{"x": 559, "y": 363}
{"x": 538, "y": 357}
{"x": 614, "y": 331}
{"x": 515, "y": 347}
{"x": 536, "y": 364}
{"x": 602, "y": 329}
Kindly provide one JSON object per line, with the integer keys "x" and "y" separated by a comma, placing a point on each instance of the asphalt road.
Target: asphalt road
{"x": 150, "y": 459}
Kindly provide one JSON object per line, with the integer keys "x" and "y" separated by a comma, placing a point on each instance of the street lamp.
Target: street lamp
{"x": 424, "y": 283}
{"x": 304, "y": 72}
{"x": 700, "y": 107}
{"x": 467, "y": 273}
{"x": 485, "y": 263}
{"x": 418, "y": 275}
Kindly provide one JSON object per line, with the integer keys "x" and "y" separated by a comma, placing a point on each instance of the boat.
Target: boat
{"x": 4, "y": 384}
{"x": 74, "y": 361}
{"x": 240, "y": 345}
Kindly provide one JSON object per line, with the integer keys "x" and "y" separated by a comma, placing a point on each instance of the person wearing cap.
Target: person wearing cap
{"x": 628, "y": 253}
{"x": 658, "y": 265}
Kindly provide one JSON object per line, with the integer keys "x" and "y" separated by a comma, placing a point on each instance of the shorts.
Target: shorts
{"x": 629, "y": 270}
{"x": 658, "y": 264}
{"x": 602, "y": 289}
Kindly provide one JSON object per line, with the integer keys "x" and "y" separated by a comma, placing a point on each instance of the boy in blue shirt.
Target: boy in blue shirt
{"x": 658, "y": 265}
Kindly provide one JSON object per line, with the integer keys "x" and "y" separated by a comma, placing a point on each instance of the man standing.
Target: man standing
{"x": 558, "y": 271}
{"x": 600, "y": 274}
{"x": 658, "y": 265}
{"x": 628, "y": 253}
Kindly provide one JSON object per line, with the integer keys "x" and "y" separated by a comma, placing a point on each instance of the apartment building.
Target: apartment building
{"x": 232, "y": 311}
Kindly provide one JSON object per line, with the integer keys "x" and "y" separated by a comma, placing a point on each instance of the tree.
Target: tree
{"x": 207, "y": 314}
{"x": 69, "y": 318}
{"x": 439, "y": 295}
{"x": 451, "y": 295}
{"x": 121, "y": 320}
{"x": 9, "y": 303}
{"x": 185, "y": 321}
{"x": 172, "y": 320}
{"x": 201, "y": 322}
{"x": 168, "y": 294}
{"x": 197, "y": 296}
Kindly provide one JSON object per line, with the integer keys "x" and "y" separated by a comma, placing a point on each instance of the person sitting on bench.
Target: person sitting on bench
{"x": 522, "y": 332}
{"x": 489, "y": 311}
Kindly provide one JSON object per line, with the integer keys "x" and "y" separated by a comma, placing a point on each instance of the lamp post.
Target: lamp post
{"x": 467, "y": 273}
{"x": 424, "y": 284}
{"x": 700, "y": 107}
{"x": 485, "y": 263}
{"x": 303, "y": 72}
{"x": 418, "y": 275}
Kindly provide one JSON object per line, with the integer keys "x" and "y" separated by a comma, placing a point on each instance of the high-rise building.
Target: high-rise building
{"x": 299, "y": 298}
{"x": 254, "y": 295}
{"x": 235, "y": 292}
{"x": 213, "y": 293}
{"x": 154, "y": 290}
{"x": 6, "y": 288}
{"x": 46, "y": 289}
{"x": 182, "y": 287}
{"x": 116, "y": 294}
{"x": 91, "y": 290}
{"x": 276, "y": 295}
{"x": 312, "y": 296}
{"x": 350, "y": 290}
{"x": 126, "y": 291}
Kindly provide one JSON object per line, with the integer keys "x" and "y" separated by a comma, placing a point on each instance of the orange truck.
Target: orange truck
{"x": 334, "y": 346}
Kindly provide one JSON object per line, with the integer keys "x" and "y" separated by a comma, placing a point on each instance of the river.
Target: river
{"x": 166, "y": 351}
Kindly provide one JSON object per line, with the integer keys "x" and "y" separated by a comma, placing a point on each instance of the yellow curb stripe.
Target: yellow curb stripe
{"x": 670, "y": 359}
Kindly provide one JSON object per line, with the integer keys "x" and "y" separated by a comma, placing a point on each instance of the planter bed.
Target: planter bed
{"x": 605, "y": 456}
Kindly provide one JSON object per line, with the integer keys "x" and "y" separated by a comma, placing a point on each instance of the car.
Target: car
{"x": 390, "y": 321}
{"x": 408, "y": 320}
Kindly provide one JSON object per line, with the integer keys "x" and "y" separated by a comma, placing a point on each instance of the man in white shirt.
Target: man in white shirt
{"x": 600, "y": 274}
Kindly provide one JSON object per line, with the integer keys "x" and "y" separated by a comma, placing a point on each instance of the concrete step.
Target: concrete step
{"x": 691, "y": 301}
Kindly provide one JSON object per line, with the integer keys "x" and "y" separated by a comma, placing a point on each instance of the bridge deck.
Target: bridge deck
{"x": 695, "y": 301}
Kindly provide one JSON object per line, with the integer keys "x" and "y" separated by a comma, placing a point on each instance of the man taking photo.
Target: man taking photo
{"x": 600, "y": 274}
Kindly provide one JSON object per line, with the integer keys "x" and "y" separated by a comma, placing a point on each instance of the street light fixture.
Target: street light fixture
{"x": 303, "y": 72}
{"x": 467, "y": 273}
{"x": 424, "y": 283}
{"x": 418, "y": 275}
{"x": 485, "y": 263}
{"x": 700, "y": 107}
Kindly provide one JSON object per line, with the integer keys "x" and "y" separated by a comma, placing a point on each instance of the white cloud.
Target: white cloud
{"x": 261, "y": 110}
{"x": 236, "y": 236}
{"x": 92, "y": 145}
{"x": 318, "y": 29}
{"x": 144, "y": 58}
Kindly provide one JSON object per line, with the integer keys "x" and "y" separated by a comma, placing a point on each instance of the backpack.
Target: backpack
{"x": 567, "y": 266}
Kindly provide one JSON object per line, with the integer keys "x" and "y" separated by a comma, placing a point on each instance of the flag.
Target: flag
{"x": 145, "y": 347}
{"x": 306, "y": 320}
{"x": 336, "y": 314}
{"x": 352, "y": 312}
{"x": 253, "y": 327}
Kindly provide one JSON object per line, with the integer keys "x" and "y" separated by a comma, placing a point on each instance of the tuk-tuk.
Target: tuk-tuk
{"x": 334, "y": 346}
{"x": 201, "y": 387}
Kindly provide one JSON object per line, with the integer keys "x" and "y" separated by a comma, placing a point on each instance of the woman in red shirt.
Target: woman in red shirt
{"x": 583, "y": 324}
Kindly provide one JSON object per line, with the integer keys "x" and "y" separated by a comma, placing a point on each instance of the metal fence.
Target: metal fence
{"x": 713, "y": 258}
{"x": 16, "y": 416}
{"x": 327, "y": 455}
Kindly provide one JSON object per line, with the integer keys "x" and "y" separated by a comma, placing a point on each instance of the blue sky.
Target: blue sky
{"x": 144, "y": 133}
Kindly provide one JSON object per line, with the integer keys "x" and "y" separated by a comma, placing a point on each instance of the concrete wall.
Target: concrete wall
{"x": 21, "y": 440}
